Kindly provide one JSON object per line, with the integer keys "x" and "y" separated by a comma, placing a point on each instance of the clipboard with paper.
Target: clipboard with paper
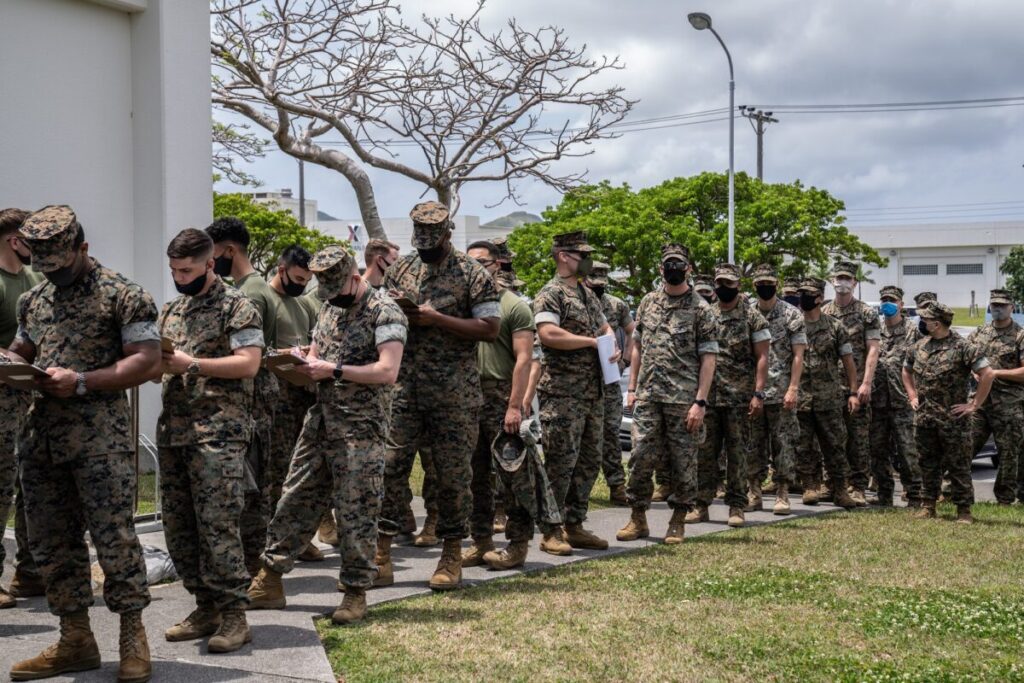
{"x": 605, "y": 350}
{"x": 284, "y": 365}
{"x": 21, "y": 375}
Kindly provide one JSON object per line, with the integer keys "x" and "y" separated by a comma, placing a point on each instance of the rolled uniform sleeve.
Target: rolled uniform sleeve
{"x": 797, "y": 331}
{"x": 137, "y": 315}
{"x": 547, "y": 309}
{"x": 843, "y": 345}
{"x": 244, "y": 326}
{"x": 391, "y": 325}
{"x": 135, "y": 333}
{"x": 975, "y": 357}
{"x": 759, "y": 329}
{"x": 483, "y": 295}
{"x": 872, "y": 328}
{"x": 707, "y": 332}
{"x": 638, "y": 329}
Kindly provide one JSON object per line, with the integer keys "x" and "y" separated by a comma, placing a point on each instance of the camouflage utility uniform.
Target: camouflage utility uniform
{"x": 203, "y": 435}
{"x": 616, "y": 312}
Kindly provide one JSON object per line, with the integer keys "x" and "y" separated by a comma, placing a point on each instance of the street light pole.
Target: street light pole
{"x": 702, "y": 21}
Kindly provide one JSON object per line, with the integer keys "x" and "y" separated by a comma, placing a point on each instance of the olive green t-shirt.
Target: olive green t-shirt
{"x": 296, "y": 317}
{"x": 496, "y": 359}
{"x": 11, "y": 288}
{"x": 265, "y": 299}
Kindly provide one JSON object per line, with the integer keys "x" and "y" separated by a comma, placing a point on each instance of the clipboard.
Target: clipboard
{"x": 21, "y": 375}
{"x": 405, "y": 302}
{"x": 284, "y": 366}
{"x": 166, "y": 345}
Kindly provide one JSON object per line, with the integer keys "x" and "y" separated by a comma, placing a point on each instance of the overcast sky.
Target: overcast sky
{"x": 785, "y": 52}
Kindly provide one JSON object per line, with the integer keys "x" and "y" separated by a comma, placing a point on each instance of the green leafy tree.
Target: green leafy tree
{"x": 1013, "y": 269}
{"x": 798, "y": 229}
{"x": 271, "y": 230}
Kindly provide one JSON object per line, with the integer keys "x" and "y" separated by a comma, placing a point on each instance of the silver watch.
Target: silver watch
{"x": 80, "y": 387}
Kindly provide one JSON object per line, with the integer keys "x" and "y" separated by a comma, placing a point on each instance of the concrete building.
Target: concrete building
{"x": 106, "y": 107}
{"x": 284, "y": 199}
{"x": 955, "y": 260}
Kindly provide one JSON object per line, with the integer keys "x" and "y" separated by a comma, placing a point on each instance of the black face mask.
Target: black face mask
{"x": 922, "y": 328}
{"x": 291, "y": 288}
{"x": 726, "y": 294}
{"x": 222, "y": 266}
{"x": 598, "y": 290}
{"x": 194, "y": 287}
{"x": 808, "y": 302}
{"x": 506, "y": 267}
{"x": 25, "y": 260}
{"x": 765, "y": 292}
{"x": 432, "y": 255}
{"x": 792, "y": 299}
{"x": 66, "y": 276}
{"x": 343, "y": 300}
{"x": 675, "y": 273}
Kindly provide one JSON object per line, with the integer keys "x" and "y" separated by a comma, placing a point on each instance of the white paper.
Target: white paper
{"x": 605, "y": 349}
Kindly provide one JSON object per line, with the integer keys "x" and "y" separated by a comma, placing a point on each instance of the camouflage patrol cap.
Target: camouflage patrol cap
{"x": 728, "y": 272}
{"x": 812, "y": 285}
{"x": 333, "y": 267}
{"x": 674, "y": 250}
{"x": 765, "y": 273}
{"x": 923, "y": 297}
{"x": 572, "y": 241}
{"x": 891, "y": 290}
{"x": 501, "y": 247}
{"x": 936, "y": 310}
{"x": 599, "y": 274}
{"x": 703, "y": 283}
{"x": 509, "y": 450}
{"x": 50, "y": 235}
{"x": 429, "y": 224}
{"x": 791, "y": 285}
{"x": 844, "y": 268}
{"x": 1000, "y": 296}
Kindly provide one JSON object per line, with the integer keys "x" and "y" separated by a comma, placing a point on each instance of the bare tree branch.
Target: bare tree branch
{"x": 233, "y": 144}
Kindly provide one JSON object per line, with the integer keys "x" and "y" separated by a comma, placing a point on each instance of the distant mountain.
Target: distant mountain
{"x": 324, "y": 216}
{"x": 513, "y": 220}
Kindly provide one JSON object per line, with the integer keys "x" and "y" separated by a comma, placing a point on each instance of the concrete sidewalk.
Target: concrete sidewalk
{"x": 285, "y": 643}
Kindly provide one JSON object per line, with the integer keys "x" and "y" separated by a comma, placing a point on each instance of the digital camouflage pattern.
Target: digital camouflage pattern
{"x": 430, "y": 223}
{"x": 50, "y": 235}
{"x": 576, "y": 310}
{"x": 616, "y": 312}
{"x": 786, "y": 324}
{"x": 573, "y": 431}
{"x": 528, "y": 497}
{"x": 738, "y": 330}
{"x": 1002, "y": 415}
{"x": 727, "y": 430}
{"x": 492, "y": 415}
{"x": 660, "y": 436}
{"x": 942, "y": 369}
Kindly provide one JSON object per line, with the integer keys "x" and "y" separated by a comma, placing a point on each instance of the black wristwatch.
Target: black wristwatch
{"x": 337, "y": 372}
{"x": 759, "y": 394}
{"x": 701, "y": 403}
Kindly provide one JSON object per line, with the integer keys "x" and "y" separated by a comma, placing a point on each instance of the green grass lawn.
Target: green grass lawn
{"x": 961, "y": 318}
{"x": 147, "y": 498}
{"x": 863, "y": 596}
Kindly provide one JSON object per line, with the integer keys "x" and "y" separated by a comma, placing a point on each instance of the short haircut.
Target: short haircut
{"x": 295, "y": 256}
{"x": 190, "y": 243}
{"x": 377, "y": 247}
{"x": 79, "y": 236}
{"x": 492, "y": 250}
{"x": 11, "y": 220}
{"x": 229, "y": 229}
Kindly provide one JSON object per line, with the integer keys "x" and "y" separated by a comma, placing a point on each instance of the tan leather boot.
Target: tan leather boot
{"x": 448, "y": 574}
{"x": 385, "y": 572}
{"x": 473, "y": 556}
{"x": 204, "y": 621}
{"x": 842, "y": 498}
{"x": 25, "y": 585}
{"x": 636, "y": 527}
{"x": 661, "y": 493}
{"x": 328, "y": 530}
{"x": 810, "y": 495}
{"x": 232, "y": 634}
{"x": 511, "y": 556}
{"x": 500, "y": 519}
{"x": 428, "y": 536}
{"x": 6, "y": 599}
{"x": 135, "y": 666}
{"x": 926, "y": 511}
{"x": 75, "y": 651}
{"x": 554, "y": 543}
{"x": 617, "y": 495}
{"x": 781, "y": 506}
{"x": 266, "y": 590}
{"x": 578, "y": 537}
{"x": 698, "y": 514}
{"x": 676, "y": 527}
{"x": 755, "y": 501}
{"x": 963, "y": 514}
{"x": 736, "y": 518}
{"x": 311, "y": 553}
{"x": 352, "y": 608}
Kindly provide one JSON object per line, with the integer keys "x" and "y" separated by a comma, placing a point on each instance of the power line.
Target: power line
{"x": 933, "y": 206}
{"x": 893, "y": 104}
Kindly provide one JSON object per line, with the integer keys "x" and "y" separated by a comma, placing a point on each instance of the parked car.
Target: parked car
{"x": 626, "y": 426}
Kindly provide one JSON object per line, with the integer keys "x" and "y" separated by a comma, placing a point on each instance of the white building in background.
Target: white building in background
{"x": 106, "y": 107}
{"x": 954, "y": 260}
{"x": 285, "y": 200}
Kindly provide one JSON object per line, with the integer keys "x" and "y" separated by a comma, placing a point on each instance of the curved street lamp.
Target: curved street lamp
{"x": 702, "y": 21}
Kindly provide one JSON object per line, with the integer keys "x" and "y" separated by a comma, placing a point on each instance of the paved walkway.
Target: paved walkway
{"x": 286, "y": 646}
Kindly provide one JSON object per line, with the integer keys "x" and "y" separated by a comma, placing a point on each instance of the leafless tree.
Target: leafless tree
{"x": 233, "y": 144}
{"x": 348, "y": 84}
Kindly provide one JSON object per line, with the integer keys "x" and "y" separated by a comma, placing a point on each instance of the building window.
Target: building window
{"x": 932, "y": 269}
{"x": 964, "y": 269}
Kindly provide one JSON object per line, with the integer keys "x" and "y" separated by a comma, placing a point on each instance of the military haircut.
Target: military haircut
{"x": 378, "y": 247}
{"x": 190, "y": 243}
{"x": 294, "y": 256}
{"x": 492, "y": 250}
{"x": 229, "y": 229}
{"x": 11, "y": 220}
{"x": 79, "y": 236}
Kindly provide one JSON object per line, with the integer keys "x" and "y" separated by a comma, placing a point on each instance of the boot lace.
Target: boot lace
{"x": 129, "y": 642}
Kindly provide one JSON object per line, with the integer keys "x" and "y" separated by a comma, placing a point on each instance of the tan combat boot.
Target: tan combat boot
{"x": 511, "y": 556}
{"x": 25, "y": 585}
{"x": 311, "y": 553}
{"x": 232, "y": 634}
{"x": 617, "y": 495}
{"x": 408, "y": 521}
{"x": 842, "y": 498}
{"x": 926, "y": 511}
{"x": 352, "y": 608}
{"x": 858, "y": 497}
{"x": 636, "y": 527}
{"x": 554, "y": 543}
{"x": 698, "y": 514}
{"x": 781, "y": 506}
{"x": 135, "y": 666}
{"x": 473, "y": 556}
{"x": 328, "y": 529}
{"x": 661, "y": 493}
{"x": 266, "y": 590}
{"x": 578, "y": 537}
{"x": 755, "y": 501}
{"x": 75, "y": 651}
{"x": 6, "y": 599}
{"x": 736, "y": 518}
{"x": 428, "y": 536}
{"x": 676, "y": 527}
{"x": 448, "y": 574}
{"x": 500, "y": 519}
{"x": 810, "y": 495}
{"x": 204, "y": 621}
{"x": 963, "y": 514}
{"x": 385, "y": 572}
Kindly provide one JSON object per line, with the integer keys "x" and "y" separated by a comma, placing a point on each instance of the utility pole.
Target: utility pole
{"x": 302, "y": 194}
{"x": 758, "y": 121}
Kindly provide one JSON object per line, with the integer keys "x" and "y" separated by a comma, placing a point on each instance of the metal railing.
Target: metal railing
{"x": 143, "y": 445}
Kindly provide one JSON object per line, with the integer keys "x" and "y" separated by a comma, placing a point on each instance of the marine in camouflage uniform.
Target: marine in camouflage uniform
{"x": 776, "y": 430}
{"x": 1002, "y": 416}
{"x": 438, "y": 401}
{"x": 675, "y": 333}
{"x": 203, "y": 435}
{"x": 937, "y": 375}
{"x": 737, "y": 395}
{"x": 892, "y": 418}
{"x": 824, "y": 393}
{"x": 616, "y": 312}
{"x": 339, "y": 460}
{"x": 571, "y": 389}
{"x": 75, "y": 448}
{"x": 704, "y": 285}
{"x": 864, "y": 331}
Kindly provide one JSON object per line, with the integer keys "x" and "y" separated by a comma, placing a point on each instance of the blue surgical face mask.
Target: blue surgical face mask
{"x": 889, "y": 309}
